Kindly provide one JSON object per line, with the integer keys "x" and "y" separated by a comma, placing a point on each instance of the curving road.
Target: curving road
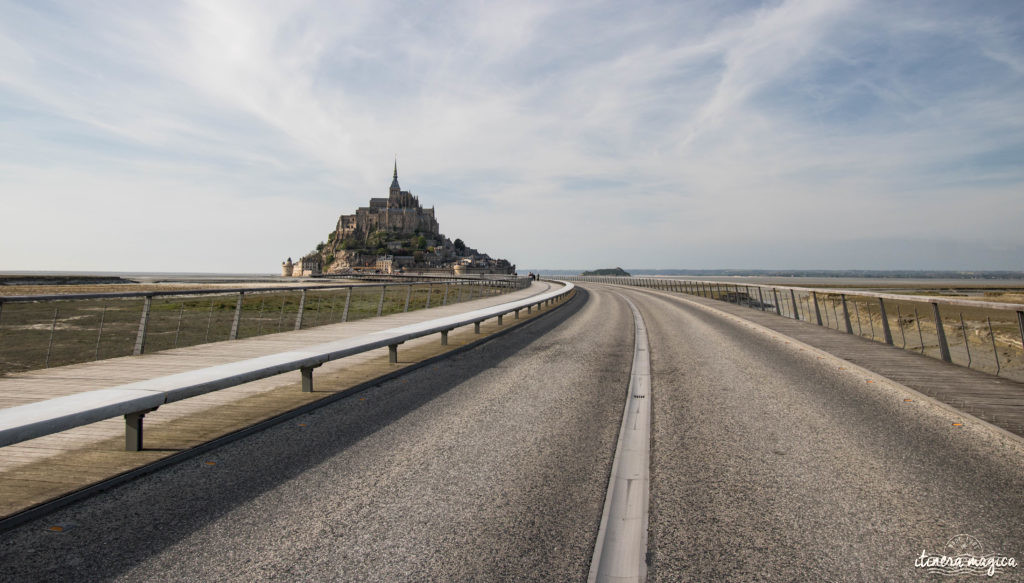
{"x": 768, "y": 462}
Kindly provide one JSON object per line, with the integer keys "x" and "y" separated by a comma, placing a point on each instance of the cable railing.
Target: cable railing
{"x": 42, "y": 331}
{"x": 978, "y": 334}
{"x": 135, "y": 400}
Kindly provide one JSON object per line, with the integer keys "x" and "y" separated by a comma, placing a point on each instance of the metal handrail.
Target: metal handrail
{"x": 712, "y": 288}
{"x": 224, "y": 291}
{"x": 139, "y": 346}
{"x": 821, "y": 290}
{"x": 135, "y": 400}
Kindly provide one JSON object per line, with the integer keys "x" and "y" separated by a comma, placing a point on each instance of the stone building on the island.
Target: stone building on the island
{"x": 400, "y": 212}
{"x": 309, "y": 266}
{"x": 392, "y": 235}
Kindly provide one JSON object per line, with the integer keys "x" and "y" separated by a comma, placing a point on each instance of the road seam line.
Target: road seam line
{"x": 621, "y": 550}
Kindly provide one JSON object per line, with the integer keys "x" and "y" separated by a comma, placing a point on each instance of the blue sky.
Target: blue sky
{"x": 224, "y": 136}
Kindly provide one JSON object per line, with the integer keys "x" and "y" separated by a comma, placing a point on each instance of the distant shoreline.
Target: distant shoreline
{"x": 814, "y": 273}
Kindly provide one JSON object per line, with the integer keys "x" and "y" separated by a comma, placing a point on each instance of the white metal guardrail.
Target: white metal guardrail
{"x": 135, "y": 400}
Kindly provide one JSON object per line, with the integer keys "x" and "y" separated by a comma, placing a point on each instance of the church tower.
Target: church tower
{"x": 395, "y": 189}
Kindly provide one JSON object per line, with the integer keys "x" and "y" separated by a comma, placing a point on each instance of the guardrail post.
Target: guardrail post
{"x": 1020, "y": 326}
{"x": 476, "y": 327}
{"x": 846, "y": 315}
{"x": 237, "y": 318}
{"x": 517, "y": 314}
{"x": 302, "y": 308}
{"x": 444, "y": 301}
{"x": 140, "y": 338}
{"x": 499, "y": 319}
{"x": 393, "y": 353}
{"x": 444, "y": 338}
{"x": 940, "y": 332}
{"x": 380, "y": 305}
{"x": 886, "y": 332}
{"x": 792, "y": 297}
{"x": 133, "y": 430}
{"x": 817, "y": 310}
{"x": 408, "y": 296}
{"x": 307, "y": 378}
{"x": 348, "y": 300}
{"x": 778, "y": 304}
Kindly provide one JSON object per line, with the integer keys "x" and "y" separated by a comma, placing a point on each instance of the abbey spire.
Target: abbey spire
{"x": 395, "y": 189}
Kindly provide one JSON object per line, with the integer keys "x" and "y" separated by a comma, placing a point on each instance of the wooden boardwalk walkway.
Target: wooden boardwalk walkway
{"x": 45, "y": 468}
{"x": 997, "y": 400}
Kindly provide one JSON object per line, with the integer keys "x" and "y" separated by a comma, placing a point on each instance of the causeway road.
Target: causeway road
{"x": 770, "y": 461}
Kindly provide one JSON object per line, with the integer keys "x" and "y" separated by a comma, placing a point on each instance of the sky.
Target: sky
{"x": 224, "y": 136}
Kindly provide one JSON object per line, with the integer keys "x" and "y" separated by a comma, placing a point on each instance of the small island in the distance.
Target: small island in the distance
{"x": 608, "y": 271}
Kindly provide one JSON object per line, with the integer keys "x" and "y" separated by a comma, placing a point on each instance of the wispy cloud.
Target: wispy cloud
{"x": 699, "y": 134}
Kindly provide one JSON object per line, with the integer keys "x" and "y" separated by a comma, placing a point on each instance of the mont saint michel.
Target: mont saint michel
{"x": 394, "y": 234}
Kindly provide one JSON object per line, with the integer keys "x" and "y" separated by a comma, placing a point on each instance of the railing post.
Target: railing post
{"x": 476, "y": 327}
{"x": 380, "y": 305}
{"x": 886, "y": 332}
{"x": 517, "y": 314}
{"x": 140, "y": 338}
{"x": 133, "y": 430}
{"x": 940, "y": 332}
{"x": 778, "y": 304}
{"x": 302, "y": 308}
{"x": 49, "y": 344}
{"x": 817, "y": 310}
{"x": 499, "y": 319}
{"x": 393, "y": 353}
{"x": 238, "y": 317}
{"x": 792, "y": 297}
{"x": 1020, "y": 326}
{"x": 348, "y": 300}
{"x": 408, "y": 296}
{"x": 307, "y": 378}
{"x": 846, "y": 315}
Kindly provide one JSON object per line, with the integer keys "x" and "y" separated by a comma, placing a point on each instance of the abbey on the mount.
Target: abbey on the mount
{"x": 392, "y": 235}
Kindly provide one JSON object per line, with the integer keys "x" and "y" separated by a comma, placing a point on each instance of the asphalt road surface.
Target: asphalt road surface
{"x": 768, "y": 463}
